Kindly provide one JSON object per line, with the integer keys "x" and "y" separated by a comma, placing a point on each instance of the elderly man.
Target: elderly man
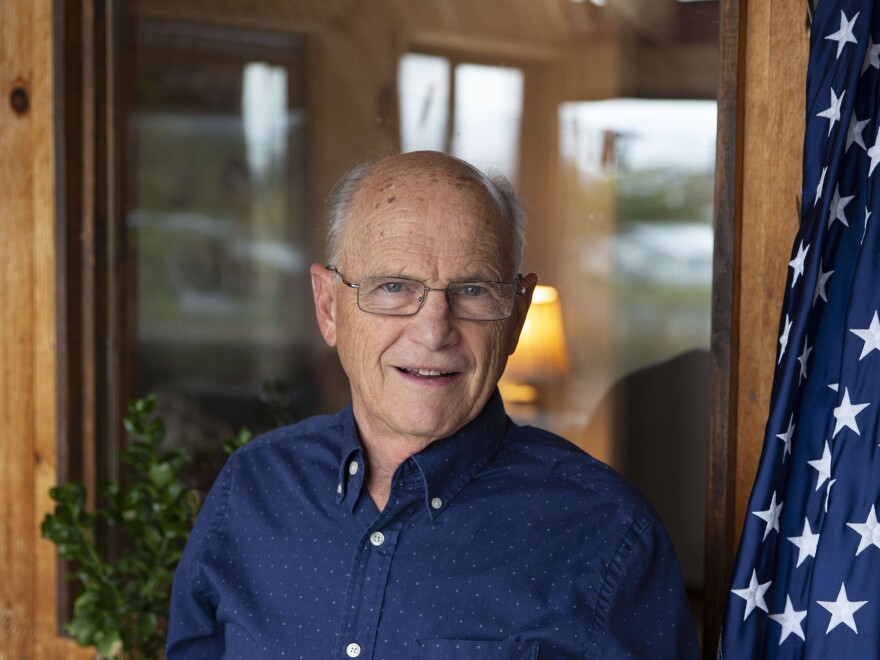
{"x": 421, "y": 522}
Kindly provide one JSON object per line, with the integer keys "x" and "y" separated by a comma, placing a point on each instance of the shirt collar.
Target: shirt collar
{"x": 446, "y": 466}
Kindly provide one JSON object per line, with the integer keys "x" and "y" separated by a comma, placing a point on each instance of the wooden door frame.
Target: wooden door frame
{"x": 91, "y": 272}
{"x": 721, "y": 468}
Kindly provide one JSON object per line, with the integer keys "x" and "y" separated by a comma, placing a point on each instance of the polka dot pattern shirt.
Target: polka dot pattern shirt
{"x": 498, "y": 543}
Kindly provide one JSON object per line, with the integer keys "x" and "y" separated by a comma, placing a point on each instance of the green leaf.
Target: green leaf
{"x": 161, "y": 475}
{"x": 109, "y": 644}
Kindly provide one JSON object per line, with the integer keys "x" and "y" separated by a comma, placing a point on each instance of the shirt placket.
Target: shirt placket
{"x": 368, "y": 578}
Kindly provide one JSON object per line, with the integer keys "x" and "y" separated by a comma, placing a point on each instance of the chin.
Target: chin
{"x": 434, "y": 425}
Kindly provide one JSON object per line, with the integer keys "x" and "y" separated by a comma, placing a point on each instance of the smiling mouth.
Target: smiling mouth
{"x": 426, "y": 373}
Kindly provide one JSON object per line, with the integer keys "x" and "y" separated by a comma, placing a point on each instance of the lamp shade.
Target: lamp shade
{"x": 541, "y": 355}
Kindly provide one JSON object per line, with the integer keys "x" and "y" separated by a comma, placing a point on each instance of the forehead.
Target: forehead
{"x": 428, "y": 212}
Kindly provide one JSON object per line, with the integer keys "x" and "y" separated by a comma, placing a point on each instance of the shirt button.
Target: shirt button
{"x": 436, "y": 503}
{"x": 353, "y": 470}
{"x": 377, "y": 538}
{"x": 353, "y": 650}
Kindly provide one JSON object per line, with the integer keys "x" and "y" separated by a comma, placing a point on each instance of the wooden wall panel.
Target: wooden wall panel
{"x": 28, "y": 622}
{"x": 23, "y": 78}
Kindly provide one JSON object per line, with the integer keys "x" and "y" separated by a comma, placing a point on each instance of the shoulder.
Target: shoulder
{"x": 299, "y": 437}
{"x": 302, "y": 455}
{"x": 552, "y": 462}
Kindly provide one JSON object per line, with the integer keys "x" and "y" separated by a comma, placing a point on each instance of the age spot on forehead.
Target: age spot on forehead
{"x": 391, "y": 199}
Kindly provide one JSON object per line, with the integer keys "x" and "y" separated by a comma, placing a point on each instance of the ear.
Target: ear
{"x": 521, "y": 306}
{"x": 324, "y": 291}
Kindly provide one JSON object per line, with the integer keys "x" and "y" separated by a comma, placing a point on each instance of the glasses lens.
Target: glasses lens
{"x": 393, "y": 296}
{"x": 481, "y": 301}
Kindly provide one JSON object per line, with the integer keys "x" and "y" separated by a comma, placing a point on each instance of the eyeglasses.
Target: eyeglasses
{"x": 402, "y": 296}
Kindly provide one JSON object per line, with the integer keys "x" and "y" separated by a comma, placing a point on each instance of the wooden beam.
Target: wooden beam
{"x": 28, "y": 363}
{"x": 772, "y": 105}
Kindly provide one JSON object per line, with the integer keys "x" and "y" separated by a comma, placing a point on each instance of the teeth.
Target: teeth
{"x": 427, "y": 372}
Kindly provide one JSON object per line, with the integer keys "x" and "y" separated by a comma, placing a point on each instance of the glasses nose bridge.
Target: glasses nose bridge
{"x": 428, "y": 289}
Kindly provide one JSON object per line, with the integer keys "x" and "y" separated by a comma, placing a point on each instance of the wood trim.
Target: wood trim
{"x": 721, "y": 469}
{"x": 89, "y": 274}
{"x": 94, "y": 238}
{"x": 761, "y": 131}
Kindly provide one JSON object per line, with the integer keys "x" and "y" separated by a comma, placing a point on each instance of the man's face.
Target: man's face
{"x": 422, "y": 376}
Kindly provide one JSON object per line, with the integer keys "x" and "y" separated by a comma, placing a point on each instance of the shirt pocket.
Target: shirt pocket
{"x": 468, "y": 649}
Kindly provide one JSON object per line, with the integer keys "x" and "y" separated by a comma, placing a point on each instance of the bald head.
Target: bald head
{"x": 374, "y": 183}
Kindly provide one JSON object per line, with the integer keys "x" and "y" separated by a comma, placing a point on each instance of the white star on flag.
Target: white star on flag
{"x": 867, "y": 217}
{"x": 842, "y": 610}
{"x": 869, "y": 531}
{"x": 832, "y": 112}
{"x": 783, "y": 339}
{"x": 828, "y": 493}
{"x": 786, "y": 437}
{"x": 797, "y": 264}
{"x": 870, "y": 335}
{"x": 874, "y": 154}
{"x": 753, "y": 595}
{"x": 854, "y": 134}
{"x": 822, "y": 466}
{"x": 771, "y": 515}
{"x": 821, "y": 281}
{"x": 806, "y": 543}
{"x": 845, "y": 414}
{"x": 872, "y": 56}
{"x": 838, "y": 204}
{"x": 820, "y": 186}
{"x": 790, "y": 620}
{"x": 802, "y": 358}
{"x": 845, "y": 34}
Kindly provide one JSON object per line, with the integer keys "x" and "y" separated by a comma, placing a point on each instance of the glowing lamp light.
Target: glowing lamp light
{"x": 541, "y": 356}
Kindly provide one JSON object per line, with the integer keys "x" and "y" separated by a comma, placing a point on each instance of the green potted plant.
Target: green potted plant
{"x": 122, "y": 606}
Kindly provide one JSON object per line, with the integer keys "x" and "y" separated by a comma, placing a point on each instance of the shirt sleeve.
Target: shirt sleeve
{"x": 193, "y": 629}
{"x": 643, "y": 608}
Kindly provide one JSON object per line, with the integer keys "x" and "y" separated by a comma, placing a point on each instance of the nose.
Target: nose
{"x": 434, "y": 325}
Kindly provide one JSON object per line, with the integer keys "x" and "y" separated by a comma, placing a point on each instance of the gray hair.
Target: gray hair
{"x": 341, "y": 200}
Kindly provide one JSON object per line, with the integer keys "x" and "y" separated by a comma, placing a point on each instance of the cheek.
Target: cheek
{"x": 491, "y": 347}
{"x": 363, "y": 338}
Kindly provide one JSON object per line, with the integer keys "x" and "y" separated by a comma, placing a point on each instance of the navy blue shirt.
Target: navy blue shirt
{"x": 500, "y": 542}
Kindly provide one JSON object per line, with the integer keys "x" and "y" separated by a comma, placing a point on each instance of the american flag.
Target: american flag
{"x": 806, "y": 582}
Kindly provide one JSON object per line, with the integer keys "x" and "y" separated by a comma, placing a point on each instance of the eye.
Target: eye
{"x": 472, "y": 290}
{"x": 392, "y": 287}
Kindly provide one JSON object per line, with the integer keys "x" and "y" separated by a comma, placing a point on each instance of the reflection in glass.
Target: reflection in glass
{"x": 488, "y": 111}
{"x": 264, "y": 114}
{"x": 485, "y": 119}
{"x": 646, "y": 170}
{"x": 423, "y": 89}
{"x": 216, "y": 237}
{"x": 638, "y": 185}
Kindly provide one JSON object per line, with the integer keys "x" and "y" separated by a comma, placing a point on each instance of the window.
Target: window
{"x": 216, "y": 227}
{"x": 235, "y": 136}
{"x": 637, "y": 203}
{"x": 472, "y": 111}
